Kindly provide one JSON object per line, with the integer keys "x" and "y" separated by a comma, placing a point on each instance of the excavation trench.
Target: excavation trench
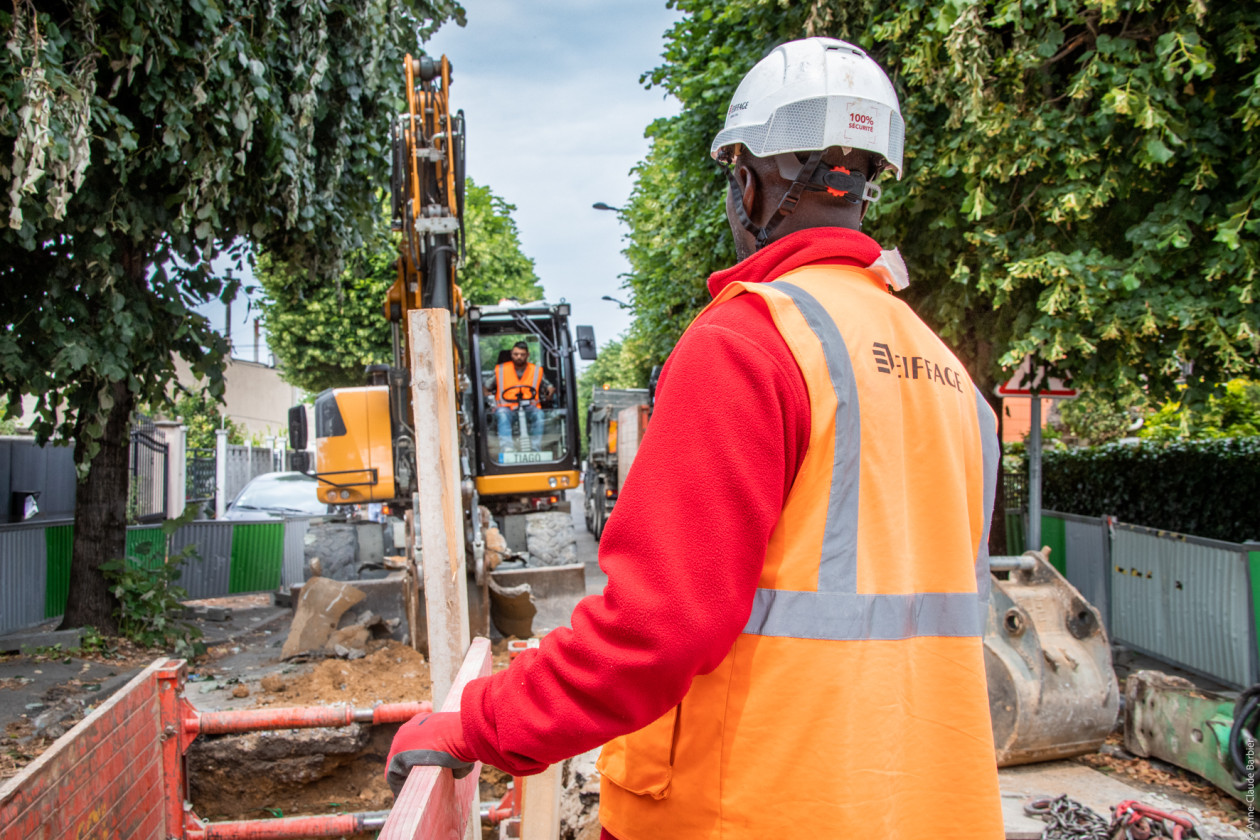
{"x": 301, "y": 772}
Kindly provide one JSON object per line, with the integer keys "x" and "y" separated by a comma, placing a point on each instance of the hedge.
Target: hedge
{"x": 1208, "y": 488}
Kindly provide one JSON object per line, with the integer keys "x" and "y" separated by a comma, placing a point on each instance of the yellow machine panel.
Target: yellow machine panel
{"x": 540, "y": 482}
{"x": 354, "y": 453}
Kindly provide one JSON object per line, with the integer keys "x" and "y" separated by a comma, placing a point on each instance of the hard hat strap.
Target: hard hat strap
{"x": 787, "y": 204}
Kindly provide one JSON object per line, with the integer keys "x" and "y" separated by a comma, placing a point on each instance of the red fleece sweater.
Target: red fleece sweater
{"x": 684, "y": 547}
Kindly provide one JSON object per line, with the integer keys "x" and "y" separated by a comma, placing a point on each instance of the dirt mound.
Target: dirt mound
{"x": 392, "y": 672}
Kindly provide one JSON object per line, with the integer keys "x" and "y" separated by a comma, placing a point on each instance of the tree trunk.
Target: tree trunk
{"x": 100, "y": 521}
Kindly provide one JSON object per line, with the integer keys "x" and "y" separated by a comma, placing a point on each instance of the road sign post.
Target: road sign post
{"x": 1036, "y": 386}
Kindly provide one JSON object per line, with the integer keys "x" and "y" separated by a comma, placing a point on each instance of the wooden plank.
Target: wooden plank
{"x": 411, "y": 585}
{"x": 432, "y": 804}
{"x": 439, "y": 514}
{"x": 540, "y": 805}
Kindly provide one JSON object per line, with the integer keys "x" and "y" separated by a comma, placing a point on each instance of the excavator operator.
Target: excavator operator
{"x": 518, "y": 385}
{"x": 791, "y": 628}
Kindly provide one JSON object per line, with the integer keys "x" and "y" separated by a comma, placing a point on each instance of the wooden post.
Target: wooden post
{"x": 439, "y": 514}
{"x": 540, "y": 805}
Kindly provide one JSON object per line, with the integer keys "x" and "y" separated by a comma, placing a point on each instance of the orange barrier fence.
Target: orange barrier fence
{"x": 103, "y": 778}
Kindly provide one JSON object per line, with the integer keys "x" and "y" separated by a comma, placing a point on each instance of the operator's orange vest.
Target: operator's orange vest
{"x": 506, "y": 380}
{"x": 854, "y": 703}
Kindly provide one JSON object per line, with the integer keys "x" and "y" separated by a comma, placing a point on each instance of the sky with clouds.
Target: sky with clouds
{"x": 556, "y": 114}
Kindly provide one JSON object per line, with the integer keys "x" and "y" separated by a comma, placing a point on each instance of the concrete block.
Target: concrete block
{"x": 514, "y": 532}
{"x": 18, "y": 642}
{"x": 370, "y": 543}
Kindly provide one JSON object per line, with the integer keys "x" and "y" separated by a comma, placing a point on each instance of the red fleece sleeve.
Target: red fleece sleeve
{"x": 683, "y": 552}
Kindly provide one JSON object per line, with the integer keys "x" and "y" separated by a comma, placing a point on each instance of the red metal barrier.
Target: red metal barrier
{"x": 254, "y": 720}
{"x": 336, "y": 825}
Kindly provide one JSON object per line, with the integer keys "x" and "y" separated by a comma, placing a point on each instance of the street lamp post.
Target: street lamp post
{"x": 599, "y": 205}
{"x": 620, "y": 303}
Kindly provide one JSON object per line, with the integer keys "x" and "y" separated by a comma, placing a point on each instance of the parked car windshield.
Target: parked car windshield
{"x": 289, "y": 493}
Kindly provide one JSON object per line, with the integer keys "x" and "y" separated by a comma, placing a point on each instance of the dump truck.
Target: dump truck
{"x": 615, "y": 422}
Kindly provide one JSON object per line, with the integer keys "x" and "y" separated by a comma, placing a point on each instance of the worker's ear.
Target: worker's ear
{"x": 748, "y": 184}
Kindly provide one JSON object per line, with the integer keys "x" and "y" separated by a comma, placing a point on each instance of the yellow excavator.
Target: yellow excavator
{"x": 519, "y": 448}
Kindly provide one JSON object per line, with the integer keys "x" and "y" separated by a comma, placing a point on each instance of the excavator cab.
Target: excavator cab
{"x": 525, "y": 413}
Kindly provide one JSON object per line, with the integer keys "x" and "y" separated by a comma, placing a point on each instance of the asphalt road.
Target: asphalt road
{"x": 587, "y": 548}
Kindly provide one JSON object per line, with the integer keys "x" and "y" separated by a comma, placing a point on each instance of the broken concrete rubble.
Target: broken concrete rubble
{"x": 354, "y": 637}
{"x": 319, "y": 610}
{"x": 496, "y": 548}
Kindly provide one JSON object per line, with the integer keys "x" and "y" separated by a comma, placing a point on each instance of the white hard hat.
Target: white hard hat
{"x": 814, "y": 94}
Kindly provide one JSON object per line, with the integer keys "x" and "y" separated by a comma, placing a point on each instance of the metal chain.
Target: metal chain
{"x": 1067, "y": 819}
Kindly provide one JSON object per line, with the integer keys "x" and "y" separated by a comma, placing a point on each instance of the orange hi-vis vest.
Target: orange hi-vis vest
{"x": 855, "y": 698}
{"x": 509, "y": 385}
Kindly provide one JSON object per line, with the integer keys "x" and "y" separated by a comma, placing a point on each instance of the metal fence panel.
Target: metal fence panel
{"x": 1086, "y": 558}
{"x": 205, "y": 575}
{"x": 199, "y": 479}
{"x": 61, "y": 484}
{"x": 146, "y": 545}
{"x": 28, "y": 468}
{"x": 294, "y": 569}
{"x": 147, "y": 491}
{"x": 59, "y": 542}
{"x": 23, "y": 576}
{"x": 262, "y": 461}
{"x": 257, "y": 556}
{"x": 241, "y": 461}
{"x": 1185, "y": 600}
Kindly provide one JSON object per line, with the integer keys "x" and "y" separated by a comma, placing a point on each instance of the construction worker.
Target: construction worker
{"x": 789, "y": 641}
{"x": 518, "y": 385}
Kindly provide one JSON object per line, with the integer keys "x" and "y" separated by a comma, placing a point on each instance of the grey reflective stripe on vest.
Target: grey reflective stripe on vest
{"x": 992, "y": 459}
{"x": 836, "y": 612}
{"x": 837, "y": 572}
{"x": 844, "y": 616}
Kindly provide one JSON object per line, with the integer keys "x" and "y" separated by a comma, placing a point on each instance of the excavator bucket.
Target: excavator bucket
{"x": 1052, "y": 690}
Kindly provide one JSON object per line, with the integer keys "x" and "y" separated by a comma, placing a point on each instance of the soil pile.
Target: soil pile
{"x": 392, "y": 672}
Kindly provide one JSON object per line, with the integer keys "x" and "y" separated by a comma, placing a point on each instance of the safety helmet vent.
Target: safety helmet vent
{"x": 896, "y": 137}
{"x": 798, "y": 125}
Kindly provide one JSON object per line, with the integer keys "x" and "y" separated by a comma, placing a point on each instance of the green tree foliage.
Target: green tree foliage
{"x": 137, "y": 139}
{"x": 10, "y": 421}
{"x": 1081, "y": 178}
{"x": 203, "y": 417}
{"x": 1233, "y": 413}
{"x": 324, "y": 333}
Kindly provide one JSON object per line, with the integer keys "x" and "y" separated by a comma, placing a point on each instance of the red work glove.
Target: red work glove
{"x": 428, "y": 739}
